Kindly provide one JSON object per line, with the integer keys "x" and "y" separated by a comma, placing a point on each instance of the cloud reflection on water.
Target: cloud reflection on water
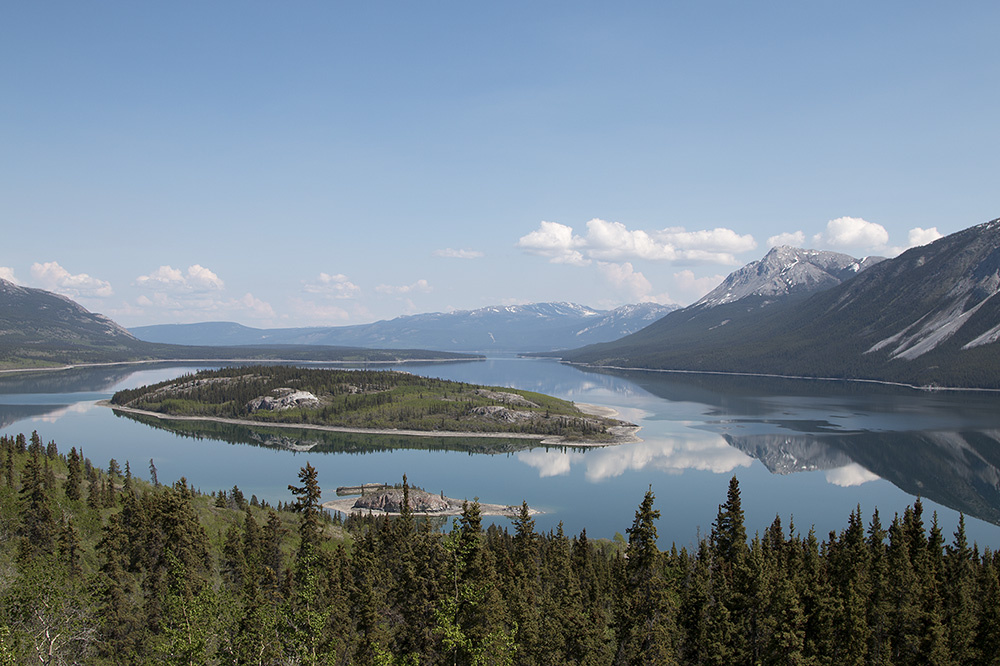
{"x": 56, "y": 414}
{"x": 850, "y": 475}
{"x": 672, "y": 455}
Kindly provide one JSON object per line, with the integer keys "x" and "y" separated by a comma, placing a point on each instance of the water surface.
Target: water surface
{"x": 806, "y": 451}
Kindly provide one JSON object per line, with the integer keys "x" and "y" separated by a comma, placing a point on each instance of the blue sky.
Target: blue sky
{"x": 290, "y": 164}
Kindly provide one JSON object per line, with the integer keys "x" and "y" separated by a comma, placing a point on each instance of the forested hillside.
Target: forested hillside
{"x": 103, "y": 568}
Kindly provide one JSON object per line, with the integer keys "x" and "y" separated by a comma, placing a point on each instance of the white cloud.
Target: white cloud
{"x": 624, "y": 276}
{"x": 794, "y": 238}
{"x": 920, "y": 236}
{"x": 853, "y": 233}
{"x": 850, "y": 475}
{"x": 255, "y": 307}
{"x": 420, "y": 286}
{"x": 718, "y": 240}
{"x": 694, "y": 287}
{"x": 613, "y": 241}
{"x": 458, "y": 254}
{"x": 8, "y": 274}
{"x": 53, "y": 277}
{"x": 554, "y": 241}
{"x": 197, "y": 279}
{"x": 334, "y": 286}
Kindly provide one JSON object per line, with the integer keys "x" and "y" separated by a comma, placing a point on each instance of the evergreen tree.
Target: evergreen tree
{"x": 959, "y": 599}
{"x": 307, "y": 503}
{"x": 646, "y": 617}
{"x": 38, "y": 523}
{"x": 73, "y": 475}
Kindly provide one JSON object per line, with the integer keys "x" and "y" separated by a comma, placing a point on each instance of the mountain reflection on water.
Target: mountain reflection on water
{"x": 944, "y": 446}
{"x": 813, "y": 448}
{"x": 960, "y": 470}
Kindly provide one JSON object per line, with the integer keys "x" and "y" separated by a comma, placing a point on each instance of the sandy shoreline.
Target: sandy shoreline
{"x": 620, "y": 434}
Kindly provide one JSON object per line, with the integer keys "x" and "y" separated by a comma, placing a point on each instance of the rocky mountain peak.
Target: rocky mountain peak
{"x": 785, "y": 271}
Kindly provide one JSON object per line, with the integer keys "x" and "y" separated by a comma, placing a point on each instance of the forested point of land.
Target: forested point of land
{"x": 101, "y": 567}
{"x": 371, "y": 399}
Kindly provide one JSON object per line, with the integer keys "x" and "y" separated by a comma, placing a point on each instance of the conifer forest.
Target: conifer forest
{"x": 113, "y": 566}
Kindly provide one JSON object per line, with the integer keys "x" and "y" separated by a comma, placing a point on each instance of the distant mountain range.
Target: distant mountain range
{"x": 926, "y": 317}
{"x": 40, "y": 328}
{"x": 510, "y": 328}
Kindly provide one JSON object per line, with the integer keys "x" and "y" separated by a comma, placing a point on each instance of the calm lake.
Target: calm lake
{"x": 807, "y": 451}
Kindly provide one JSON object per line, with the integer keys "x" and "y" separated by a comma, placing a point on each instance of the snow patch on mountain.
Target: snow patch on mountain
{"x": 787, "y": 270}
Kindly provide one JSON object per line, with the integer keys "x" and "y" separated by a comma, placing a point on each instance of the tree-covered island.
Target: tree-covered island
{"x": 369, "y": 400}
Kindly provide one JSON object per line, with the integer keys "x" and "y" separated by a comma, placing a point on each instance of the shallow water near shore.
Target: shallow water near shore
{"x": 806, "y": 451}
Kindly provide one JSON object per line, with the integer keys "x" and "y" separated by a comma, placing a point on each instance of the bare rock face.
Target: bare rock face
{"x": 506, "y": 398}
{"x": 391, "y": 501}
{"x": 502, "y": 414}
{"x": 283, "y": 398}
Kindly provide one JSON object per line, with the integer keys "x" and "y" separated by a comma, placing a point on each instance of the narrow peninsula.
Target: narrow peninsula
{"x": 379, "y": 402}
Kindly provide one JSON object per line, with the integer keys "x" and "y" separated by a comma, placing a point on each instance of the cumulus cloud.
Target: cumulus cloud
{"x": 624, "y": 276}
{"x": 693, "y": 287}
{"x": 8, "y": 274}
{"x": 853, "y": 233}
{"x": 920, "y": 236}
{"x": 554, "y": 241}
{"x": 458, "y": 254}
{"x": 794, "y": 238}
{"x": 334, "y": 286}
{"x": 613, "y": 241}
{"x": 255, "y": 307}
{"x": 196, "y": 279}
{"x": 418, "y": 287}
{"x": 53, "y": 277}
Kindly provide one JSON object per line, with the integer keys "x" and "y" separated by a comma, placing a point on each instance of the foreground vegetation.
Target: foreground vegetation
{"x": 100, "y": 567}
{"x": 366, "y": 399}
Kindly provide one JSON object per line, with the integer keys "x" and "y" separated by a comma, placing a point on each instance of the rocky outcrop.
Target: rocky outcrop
{"x": 391, "y": 501}
{"x": 506, "y": 398}
{"x": 283, "y": 398}
{"x": 502, "y": 414}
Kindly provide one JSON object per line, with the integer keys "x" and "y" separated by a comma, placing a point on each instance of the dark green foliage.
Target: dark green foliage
{"x": 166, "y": 576}
{"x": 73, "y": 475}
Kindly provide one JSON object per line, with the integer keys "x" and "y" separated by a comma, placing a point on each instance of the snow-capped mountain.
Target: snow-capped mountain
{"x": 787, "y": 271}
{"x": 510, "y": 328}
{"x": 930, "y": 316}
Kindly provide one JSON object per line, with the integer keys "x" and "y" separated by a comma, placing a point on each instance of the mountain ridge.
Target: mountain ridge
{"x": 927, "y": 317}
{"x": 509, "y": 328}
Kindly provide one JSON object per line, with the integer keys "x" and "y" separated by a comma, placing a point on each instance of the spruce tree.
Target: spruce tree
{"x": 73, "y": 475}
{"x": 38, "y": 523}
{"x": 307, "y": 503}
